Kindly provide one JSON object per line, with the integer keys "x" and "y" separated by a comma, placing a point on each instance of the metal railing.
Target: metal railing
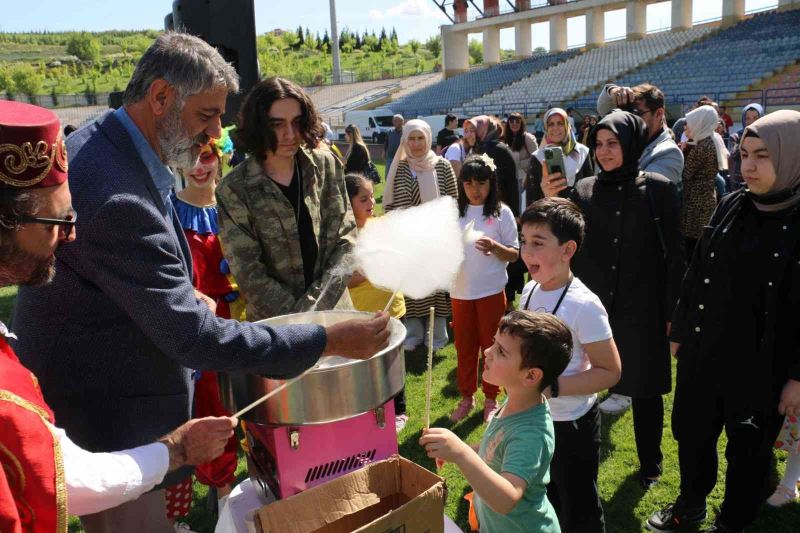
{"x": 768, "y": 98}
{"x": 60, "y": 100}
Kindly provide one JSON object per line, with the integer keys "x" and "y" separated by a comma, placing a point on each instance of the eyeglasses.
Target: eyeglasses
{"x": 641, "y": 113}
{"x": 66, "y": 225}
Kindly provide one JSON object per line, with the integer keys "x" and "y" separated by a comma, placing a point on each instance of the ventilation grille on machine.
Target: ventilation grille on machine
{"x": 340, "y": 465}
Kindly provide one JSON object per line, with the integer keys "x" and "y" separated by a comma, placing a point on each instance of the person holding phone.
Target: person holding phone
{"x": 632, "y": 258}
{"x": 568, "y": 159}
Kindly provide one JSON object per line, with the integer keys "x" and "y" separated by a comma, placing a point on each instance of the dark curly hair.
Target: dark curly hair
{"x": 254, "y": 134}
{"x": 475, "y": 168}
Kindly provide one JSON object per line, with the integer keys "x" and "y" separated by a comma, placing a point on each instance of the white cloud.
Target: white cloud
{"x": 408, "y": 8}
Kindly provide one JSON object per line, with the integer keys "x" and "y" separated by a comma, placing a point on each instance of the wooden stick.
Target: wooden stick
{"x": 429, "y": 384}
{"x": 389, "y": 303}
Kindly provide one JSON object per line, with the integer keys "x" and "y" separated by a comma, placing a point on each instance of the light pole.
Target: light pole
{"x": 337, "y": 68}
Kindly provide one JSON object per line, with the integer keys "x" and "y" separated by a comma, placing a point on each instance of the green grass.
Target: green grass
{"x": 626, "y": 505}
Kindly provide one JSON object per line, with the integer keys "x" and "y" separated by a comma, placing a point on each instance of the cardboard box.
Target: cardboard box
{"x": 391, "y": 496}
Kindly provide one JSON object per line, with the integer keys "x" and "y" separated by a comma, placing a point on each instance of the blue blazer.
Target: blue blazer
{"x": 113, "y": 338}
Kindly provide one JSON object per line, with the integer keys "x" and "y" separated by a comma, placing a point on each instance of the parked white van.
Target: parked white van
{"x": 373, "y": 123}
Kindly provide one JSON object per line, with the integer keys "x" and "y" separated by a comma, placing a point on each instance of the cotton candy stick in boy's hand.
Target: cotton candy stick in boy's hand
{"x": 429, "y": 381}
{"x": 416, "y": 251}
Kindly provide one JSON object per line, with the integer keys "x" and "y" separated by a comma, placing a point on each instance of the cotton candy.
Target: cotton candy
{"x": 416, "y": 250}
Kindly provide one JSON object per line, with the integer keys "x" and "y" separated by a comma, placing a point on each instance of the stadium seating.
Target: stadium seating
{"x": 580, "y": 73}
{"x": 443, "y": 96}
{"x": 333, "y": 101}
{"x": 728, "y": 62}
{"x": 783, "y": 89}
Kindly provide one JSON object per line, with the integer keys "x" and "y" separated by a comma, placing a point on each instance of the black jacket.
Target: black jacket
{"x": 358, "y": 160}
{"x": 737, "y": 318}
{"x": 623, "y": 262}
{"x": 506, "y": 173}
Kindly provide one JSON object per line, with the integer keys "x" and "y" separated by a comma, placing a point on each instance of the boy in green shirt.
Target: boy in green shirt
{"x": 509, "y": 472}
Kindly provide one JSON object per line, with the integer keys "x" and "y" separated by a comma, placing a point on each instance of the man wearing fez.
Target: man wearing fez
{"x": 43, "y": 474}
{"x": 125, "y": 327}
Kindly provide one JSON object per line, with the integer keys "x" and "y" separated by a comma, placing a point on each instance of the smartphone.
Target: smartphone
{"x": 554, "y": 159}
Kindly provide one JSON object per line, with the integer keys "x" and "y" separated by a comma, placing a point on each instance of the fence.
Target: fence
{"x": 360, "y": 74}
{"x": 60, "y": 100}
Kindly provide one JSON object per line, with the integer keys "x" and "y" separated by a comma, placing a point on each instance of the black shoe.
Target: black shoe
{"x": 675, "y": 516}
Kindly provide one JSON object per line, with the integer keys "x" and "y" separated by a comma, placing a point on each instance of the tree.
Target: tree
{"x": 370, "y": 43}
{"x": 475, "y": 52}
{"x": 393, "y": 37}
{"x": 539, "y": 50}
{"x": 301, "y": 40}
{"x": 414, "y": 45}
{"x": 325, "y": 45}
{"x": 434, "y": 45}
{"x": 6, "y": 82}
{"x": 27, "y": 80}
{"x": 84, "y": 47}
{"x": 358, "y": 42}
{"x": 383, "y": 40}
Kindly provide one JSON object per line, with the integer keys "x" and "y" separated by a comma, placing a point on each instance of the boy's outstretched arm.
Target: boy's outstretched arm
{"x": 501, "y": 492}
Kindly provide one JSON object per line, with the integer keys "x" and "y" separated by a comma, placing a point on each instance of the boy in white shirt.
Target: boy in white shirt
{"x": 552, "y": 232}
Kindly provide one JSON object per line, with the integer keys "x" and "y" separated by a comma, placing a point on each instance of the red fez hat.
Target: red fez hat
{"x": 32, "y": 149}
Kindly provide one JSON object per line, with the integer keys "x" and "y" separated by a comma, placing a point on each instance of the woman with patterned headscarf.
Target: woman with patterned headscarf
{"x": 418, "y": 175}
{"x": 577, "y": 161}
{"x": 735, "y": 335}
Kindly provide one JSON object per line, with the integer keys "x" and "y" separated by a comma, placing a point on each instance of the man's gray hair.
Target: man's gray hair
{"x": 187, "y": 63}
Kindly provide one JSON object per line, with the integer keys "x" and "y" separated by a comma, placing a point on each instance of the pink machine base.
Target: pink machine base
{"x": 291, "y": 459}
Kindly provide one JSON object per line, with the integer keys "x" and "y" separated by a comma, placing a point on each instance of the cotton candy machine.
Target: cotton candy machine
{"x": 332, "y": 421}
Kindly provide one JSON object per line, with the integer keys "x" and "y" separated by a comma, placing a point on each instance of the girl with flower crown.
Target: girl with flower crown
{"x": 477, "y": 295}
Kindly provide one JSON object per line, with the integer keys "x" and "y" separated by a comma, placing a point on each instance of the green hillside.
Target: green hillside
{"x": 89, "y": 63}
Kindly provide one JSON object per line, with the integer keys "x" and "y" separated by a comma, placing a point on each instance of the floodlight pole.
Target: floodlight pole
{"x": 337, "y": 67}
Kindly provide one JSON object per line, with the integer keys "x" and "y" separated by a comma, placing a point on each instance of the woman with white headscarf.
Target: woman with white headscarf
{"x": 418, "y": 175}
{"x": 703, "y": 159}
{"x": 735, "y": 336}
{"x": 577, "y": 160}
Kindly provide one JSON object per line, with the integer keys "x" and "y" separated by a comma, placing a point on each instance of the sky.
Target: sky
{"x": 413, "y": 19}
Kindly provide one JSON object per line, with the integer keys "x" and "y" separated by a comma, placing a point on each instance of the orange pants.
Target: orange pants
{"x": 474, "y": 326}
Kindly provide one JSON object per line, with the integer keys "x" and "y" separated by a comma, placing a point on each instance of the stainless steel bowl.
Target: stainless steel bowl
{"x": 339, "y": 389}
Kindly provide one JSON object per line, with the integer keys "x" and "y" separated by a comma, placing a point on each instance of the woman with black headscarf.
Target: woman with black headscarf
{"x": 633, "y": 259}
{"x": 735, "y": 333}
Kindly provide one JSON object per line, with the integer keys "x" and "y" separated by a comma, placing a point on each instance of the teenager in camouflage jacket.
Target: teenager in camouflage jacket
{"x": 259, "y": 230}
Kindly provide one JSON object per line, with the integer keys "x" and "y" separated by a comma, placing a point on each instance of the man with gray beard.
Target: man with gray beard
{"x": 126, "y": 330}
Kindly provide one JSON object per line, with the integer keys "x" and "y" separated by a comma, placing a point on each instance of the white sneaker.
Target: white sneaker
{"x": 182, "y": 527}
{"x": 782, "y": 496}
{"x": 615, "y": 404}
{"x": 400, "y": 422}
